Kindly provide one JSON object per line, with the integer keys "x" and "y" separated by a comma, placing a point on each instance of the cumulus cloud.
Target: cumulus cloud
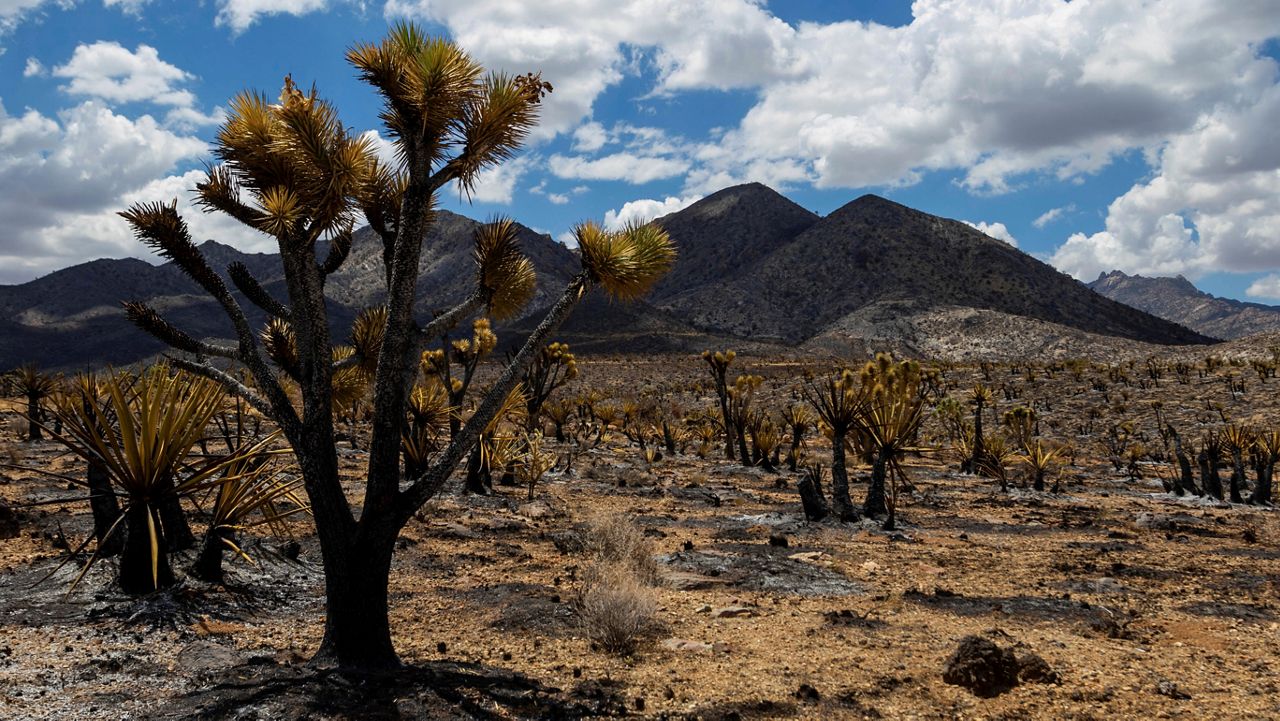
{"x": 133, "y": 7}
{"x": 1051, "y": 215}
{"x": 1211, "y": 205}
{"x": 851, "y": 104}
{"x": 12, "y": 12}
{"x": 34, "y": 68}
{"x": 110, "y": 72}
{"x": 1266, "y": 287}
{"x": 589, "y": 137}
{"x": 995, "y": 230}
{"x": 584, "y": 47}
{"x": 65, "y": 176}
{"x": 498, "y": 184}
{"x": 642, "y": 211}
{"x": 240, "y": 14}
{"x": 627, "y": 167}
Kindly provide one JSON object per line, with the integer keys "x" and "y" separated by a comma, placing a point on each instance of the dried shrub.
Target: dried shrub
{"x": 615, "y": 541}
{"x": 616, "y": 608}
{"x": 617, "y": 601}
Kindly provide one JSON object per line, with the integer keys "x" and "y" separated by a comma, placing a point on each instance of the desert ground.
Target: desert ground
{"x": 1141, "y": 604}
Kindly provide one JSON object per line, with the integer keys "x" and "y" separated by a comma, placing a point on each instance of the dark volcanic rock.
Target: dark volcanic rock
{"x": 982, "y": 667}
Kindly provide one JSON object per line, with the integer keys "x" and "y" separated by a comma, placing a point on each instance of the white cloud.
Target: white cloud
{"x": 498, "y": 184}
{"x": 65, "y": 177}
{"x": 34, "y": 68}
{"x": 585, "y": 46}
{"x": 1266, "y": 287}
{"x": 240, "y": 14}
{"x": 132, "y": 7}
{"x": 589, "y": 137}
{"x": 628, "y": 167}
{"x": 109, "y": 71}
{"x": 852, "y": 104}
{"x": 995, "y": 230}
{"x": 1212, "y": 204}
{"x": 1051, "y": 215}
{"x": 642, "y": 211}
{"x": 12, "y": 12}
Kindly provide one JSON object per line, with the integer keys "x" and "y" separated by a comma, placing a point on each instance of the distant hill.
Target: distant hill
{"x": 754, "y": 268}
{"x": 1177, "y": 300}
{"x": 873, "y": 250}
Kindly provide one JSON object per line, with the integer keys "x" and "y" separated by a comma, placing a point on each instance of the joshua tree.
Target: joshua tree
{"x": 1266, "y": 451}
{"x": 292, "y": 171}
{"x": 1238, "y": 440}
{"x": 719, "y": 364}
{"x": 1185, "y": 481}
{"x": 839, "y": 403}
{"x": 740, "y": 414}
{"x": 551, "y": 368}
{"x": 35, "y": 387}
{"x": 887, "y": 429}
{"x": 980, "y": 397}
{"x": 1208, "y": 458}
{"x": 465, "y": 353}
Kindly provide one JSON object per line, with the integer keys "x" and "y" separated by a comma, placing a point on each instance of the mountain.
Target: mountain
{"x": 1176, "y": 299}
{"x": 754, "y": 270}
{"x": 873, "y": 250}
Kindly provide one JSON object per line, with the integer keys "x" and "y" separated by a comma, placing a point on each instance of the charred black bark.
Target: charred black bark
{"x": 136, "y": 575}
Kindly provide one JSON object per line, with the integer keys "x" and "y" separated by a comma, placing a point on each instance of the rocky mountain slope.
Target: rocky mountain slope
{"x": 1177, "y": 300}
{"x": 755, "y": 269}
{"x": 873, "y": 250}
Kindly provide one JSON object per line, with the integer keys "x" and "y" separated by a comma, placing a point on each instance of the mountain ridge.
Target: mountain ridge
{"x": 754, "y": 268}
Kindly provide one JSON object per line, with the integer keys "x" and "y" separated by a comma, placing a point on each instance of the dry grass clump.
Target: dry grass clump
{"x": 618, "y": 600}
{"x": 615, "y": 541}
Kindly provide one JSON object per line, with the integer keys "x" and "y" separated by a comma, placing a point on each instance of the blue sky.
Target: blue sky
{"x": 1094, "y": 134}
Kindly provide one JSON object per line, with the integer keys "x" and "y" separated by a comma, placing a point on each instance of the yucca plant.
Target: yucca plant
{"x": 559, "y": 412}
{"x": 248, "y": 492}
{"x": 799, "y": 421}
{"x": 430, "y": 416}
{"x": 766, "y": 439}
{"x": 1037, "y": 458}
{"x": 838, "y": 402}
{"x": 142, "y": 436}
{"x": 35, "y": 387}
{"x": 291, "y": 170}
{"x": 533, "y": 462}
{"x": 719, "y": 363}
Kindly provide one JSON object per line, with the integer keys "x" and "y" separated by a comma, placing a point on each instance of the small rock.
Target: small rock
{"x": 777, "y": 540}
{"x": 733, "y": 612}
{"x": 704, "y": 608}
{"x": 684, "y": 645}
{"x": 1170, "y": 689}
{"x": 535, "y": 510}
{"x": 807, "y": 694}
{"x": 1034, "y": 669}
{"x": 981, "y": 666}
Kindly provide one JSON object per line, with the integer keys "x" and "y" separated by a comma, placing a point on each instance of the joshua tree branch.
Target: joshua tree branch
{"x": 253, "y": 290}
{"x": 227, "y": 381}
{"x": 146, "y": 318}
{"x": 412, "y": 498}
